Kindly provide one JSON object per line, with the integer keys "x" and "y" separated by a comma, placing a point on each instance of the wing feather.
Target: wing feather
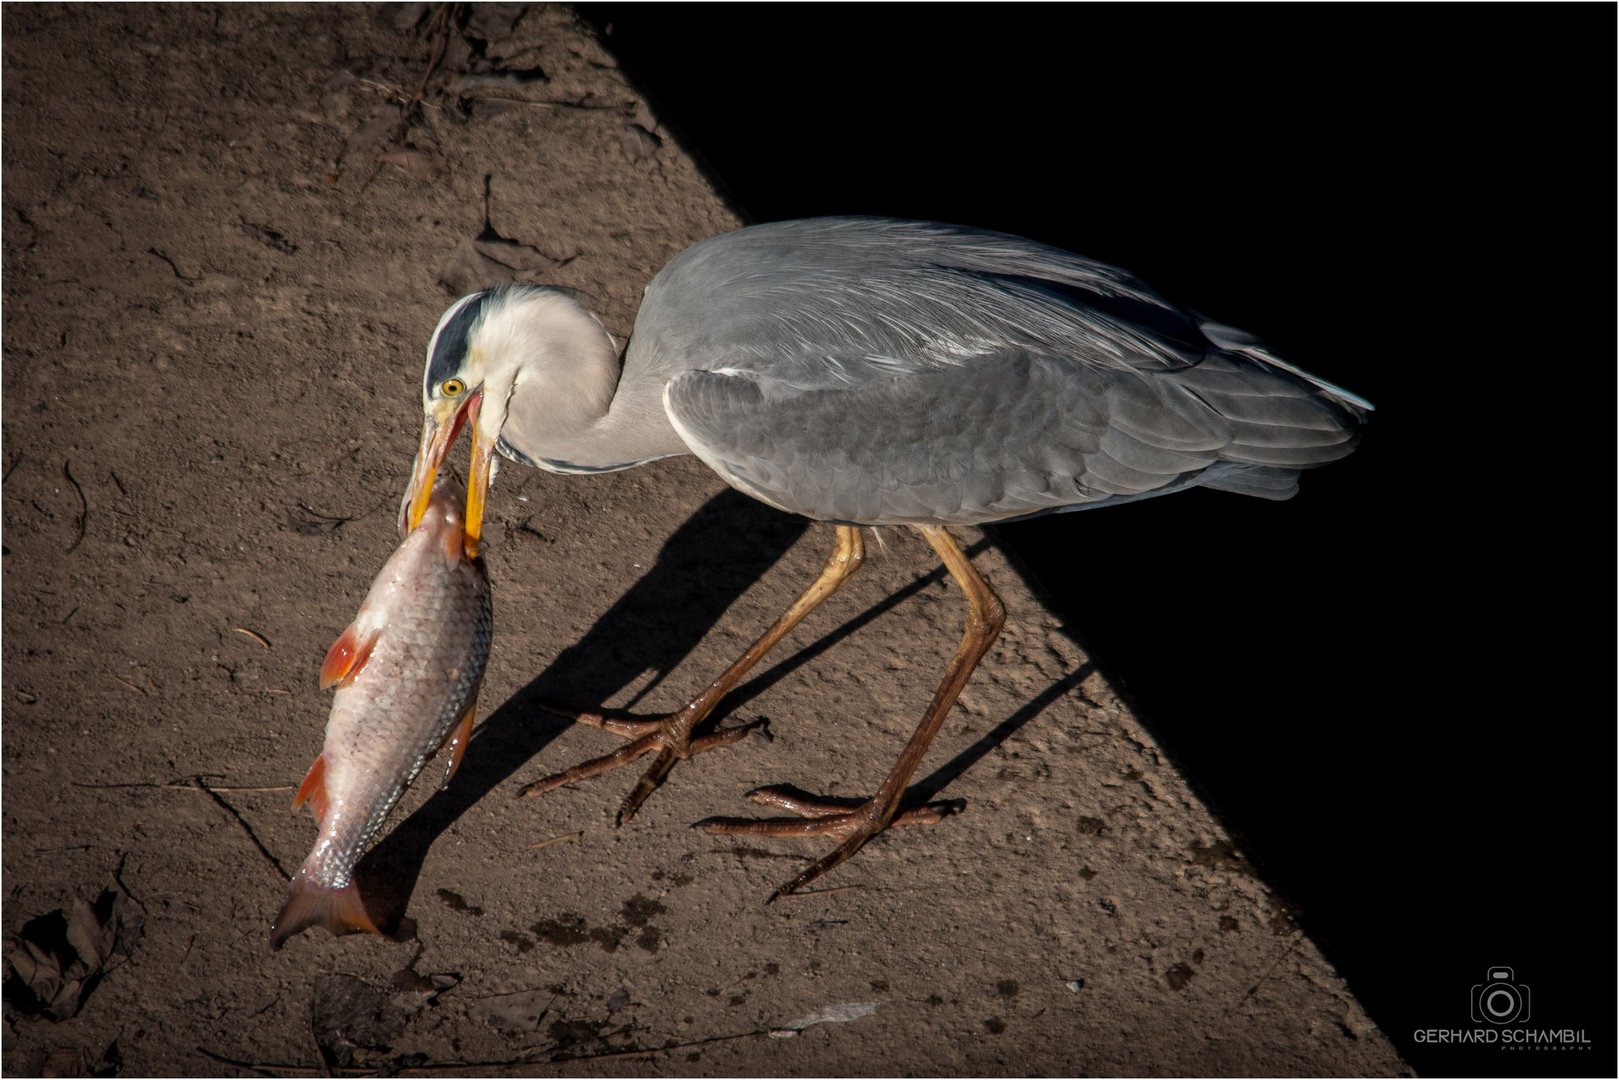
{"x": 1003, "y": 436}
{"x": 879, "y": 372}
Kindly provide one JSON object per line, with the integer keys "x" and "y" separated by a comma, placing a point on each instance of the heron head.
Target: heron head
{"x": 453, "y": 391}
{"x": 487, "y": 347}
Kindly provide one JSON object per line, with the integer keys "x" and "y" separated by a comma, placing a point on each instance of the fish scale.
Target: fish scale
{"x": 407, "y": 672}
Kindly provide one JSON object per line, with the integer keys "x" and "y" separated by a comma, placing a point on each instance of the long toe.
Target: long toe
{"x": 848, "y": 821}
{"x": 823, "y": 864}
{"x": 862, "y": 826}
{"x": 676, "y": 747}
{"x": 837, "y": 825}
{"x": 725, "y": 736}
{"x": 595, "y": 766}
{"x": 668, "y": 736}
{"x": 628, "y": 726}
{"x": 650, "y": 781}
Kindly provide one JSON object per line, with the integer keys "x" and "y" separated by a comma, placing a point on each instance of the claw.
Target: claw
{"x": 851, "y": 822}
{"x": 665, "y": 736}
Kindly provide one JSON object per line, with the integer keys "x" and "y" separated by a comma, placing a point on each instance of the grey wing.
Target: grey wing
{"x": 1006, "y": 435}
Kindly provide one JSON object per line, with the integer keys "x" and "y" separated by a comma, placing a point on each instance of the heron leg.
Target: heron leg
{"x": 671, "y": 737}
{"x": 985, "y": 617}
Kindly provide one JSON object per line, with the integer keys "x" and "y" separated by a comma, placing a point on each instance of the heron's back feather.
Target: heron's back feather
{"x": 883, "y": 372}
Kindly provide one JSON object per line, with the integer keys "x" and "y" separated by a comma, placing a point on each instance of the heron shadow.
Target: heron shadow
{"x": 931, "y": 785}
{"x": 720, "y": 552}
{"x": 716, "y": 556}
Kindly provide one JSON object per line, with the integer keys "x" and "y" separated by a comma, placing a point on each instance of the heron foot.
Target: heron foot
{"x": 668, "y": 737}
{"x": 850, "y": 821}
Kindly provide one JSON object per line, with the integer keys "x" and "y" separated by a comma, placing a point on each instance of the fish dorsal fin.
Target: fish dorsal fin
{"x": 347, "y": 656}
{"x": 313, "y": 789}
{"x": 456, "y": 741}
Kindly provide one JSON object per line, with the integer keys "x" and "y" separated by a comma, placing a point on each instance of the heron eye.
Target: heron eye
{"x": 452, "y": 387}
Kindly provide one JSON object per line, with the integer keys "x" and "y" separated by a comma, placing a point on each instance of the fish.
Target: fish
{"x": 407, "y": 672}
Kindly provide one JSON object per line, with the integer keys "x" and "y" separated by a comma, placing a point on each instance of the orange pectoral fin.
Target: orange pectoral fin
{"x": 345, "y": 659}
{"x": 456, "y": 742}
{"x": 313, "y": 789}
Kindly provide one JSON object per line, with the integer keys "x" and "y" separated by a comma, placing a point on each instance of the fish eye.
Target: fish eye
{"x": 452, "y": 387}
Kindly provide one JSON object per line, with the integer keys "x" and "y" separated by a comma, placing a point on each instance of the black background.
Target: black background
{"x": 1396, "y": 689}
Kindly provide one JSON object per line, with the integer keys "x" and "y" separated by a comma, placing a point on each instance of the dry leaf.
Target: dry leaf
{"x": 66, "y": 1061}
{"x": 90, "y": 935}
{"x": 56, "y": 959}
{"x": 347, "y": 1014}
{"x": 72, "y": 1061}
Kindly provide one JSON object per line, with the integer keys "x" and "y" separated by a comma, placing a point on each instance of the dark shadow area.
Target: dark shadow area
{"x": 1380, "y": 686}
{"x": 710, "y": 561}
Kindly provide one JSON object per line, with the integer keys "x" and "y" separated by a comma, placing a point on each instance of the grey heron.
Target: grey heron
{"x": 867, "y": 372}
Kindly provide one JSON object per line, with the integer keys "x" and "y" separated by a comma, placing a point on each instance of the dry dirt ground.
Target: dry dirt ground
{"x": 225, "y": 245}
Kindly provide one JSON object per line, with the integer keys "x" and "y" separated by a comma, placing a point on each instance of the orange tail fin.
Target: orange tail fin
{"x": 310, "y": 903}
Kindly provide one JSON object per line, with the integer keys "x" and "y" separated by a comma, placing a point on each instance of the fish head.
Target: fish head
{"x": 444, "y": 518}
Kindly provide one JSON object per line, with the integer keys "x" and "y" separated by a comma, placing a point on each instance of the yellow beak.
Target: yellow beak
{"x": 437, "y": 438}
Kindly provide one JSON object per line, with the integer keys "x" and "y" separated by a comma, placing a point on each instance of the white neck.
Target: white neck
{"x": 553, "y": 393}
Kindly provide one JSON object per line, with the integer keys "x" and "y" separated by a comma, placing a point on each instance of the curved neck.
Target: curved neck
{"x": 555, "y": 396}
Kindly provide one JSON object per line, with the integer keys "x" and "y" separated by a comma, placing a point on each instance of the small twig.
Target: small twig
{"x": 172, "y": 266}
{"x": 395, "y": 92}
{"x": 336, "y": 521}
{"x": 441, "y": 42}
{"x": 118, "y": 876}
{"x": 1254, "y": 989}
{"x": 578, "y": 105}
{"x": 217, "y": 787}
{"x": 821, "y": 892}
{"x": 644, "y": 1051}
{"x": 240, "y": 820}
{"x": 11, "y": 468}
{"x": 126, "y": 682}
{"x": 84, "y": 505}
{"x": 273, "y": 1068}
{"x": 260, "y": 638}
{"x": 186, "y": 786}
{"x": 561, "y": 838}
{"x": 122, "y": 490}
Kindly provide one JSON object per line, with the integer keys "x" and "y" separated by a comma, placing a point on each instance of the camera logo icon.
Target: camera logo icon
{"x": 1501, "y": 999}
